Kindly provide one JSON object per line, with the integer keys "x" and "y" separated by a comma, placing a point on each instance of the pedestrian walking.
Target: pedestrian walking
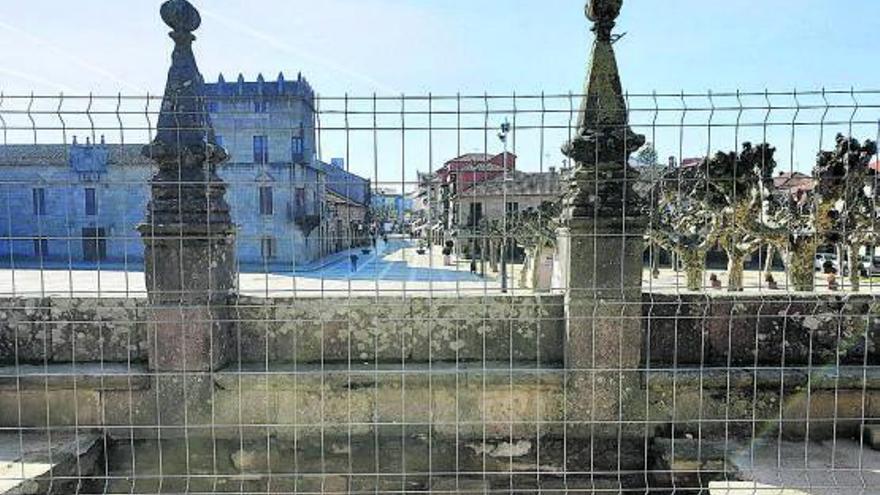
{"x": 354, "y": 262}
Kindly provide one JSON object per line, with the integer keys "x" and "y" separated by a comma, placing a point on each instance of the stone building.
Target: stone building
{"x": 72, "y": 205}
{"x": 517, "y": 191}
{"x": 348, "y": 201}
{"x": 79, "y": 204}
{"x": 275, "y": 182}
{"x": 434, "y": 206}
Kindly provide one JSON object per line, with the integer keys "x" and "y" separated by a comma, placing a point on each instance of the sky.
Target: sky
{"x": 471, "y": 47}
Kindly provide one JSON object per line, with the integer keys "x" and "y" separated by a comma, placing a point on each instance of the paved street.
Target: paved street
{"x": 397, "y": 269}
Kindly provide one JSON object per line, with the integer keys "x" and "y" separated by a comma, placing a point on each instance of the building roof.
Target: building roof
{"x": 519, "y": 184}
{"x": 794, "y": 182}
{"x": 60, "y": 154}
{"x": 346, "y": 184}
{"x": 476, "y": 161}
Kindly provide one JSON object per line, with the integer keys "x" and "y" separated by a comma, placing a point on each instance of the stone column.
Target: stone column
{"x": 601, "y": 247}
{"x": 188, "y": 234}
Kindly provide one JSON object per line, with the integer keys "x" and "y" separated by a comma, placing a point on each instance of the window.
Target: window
{"x": 475, "y": 214}
{"x": 213, "y": 106}
{"x": 91, "y": 202}
{"x": 218, "y": 139}
{"x": 267, "y": 248}
{"x": 261, "y": 149}
{"x": 41, "y": 247}
{"x": 261, "y": 106}
{"x": 39, "y": 195}
{"x": 94, "y": 244}
{"x": 266, "y": 203}
{"x": 296, "y": 148}
{"x": 300, "y": 199}
{"x": 512, "y": 207}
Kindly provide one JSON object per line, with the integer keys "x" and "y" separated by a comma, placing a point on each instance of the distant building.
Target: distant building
{"x": 434, "y": 205}
{"x": 793, "y": 183}
{"x": 80, "y": 204}
{"x": 275, "y": 182}
{"x": 72, "y": 205}
{"x": 492, "y": 199}
{"x": 390, "y": 205}
{"x": 348, "y": 198}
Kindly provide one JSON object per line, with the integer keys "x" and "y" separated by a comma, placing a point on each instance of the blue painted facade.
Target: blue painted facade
{"x": 392, "y": 204}
{"x": 72, "y": 205}
{"x": 79, "y": 205}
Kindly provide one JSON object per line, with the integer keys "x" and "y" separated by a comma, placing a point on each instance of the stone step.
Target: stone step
{"x": 48, "y": 462}
{"x": 766, "y": 465}
{"x": 358, "y": 465}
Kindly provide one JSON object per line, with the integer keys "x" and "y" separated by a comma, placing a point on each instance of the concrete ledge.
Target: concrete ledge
{"x": 792, "y": 378}
{"x": 35, "y": 463}
{"x": 468, "y": 401}
{"x": 88, "y": 376}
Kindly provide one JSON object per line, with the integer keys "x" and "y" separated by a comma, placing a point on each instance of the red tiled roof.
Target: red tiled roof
{"x": 794, "y": 182}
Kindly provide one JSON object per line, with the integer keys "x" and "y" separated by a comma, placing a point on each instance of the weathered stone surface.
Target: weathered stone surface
{"x": 25, "y": 336}
{"x": 469, "y": 402}
{"x": 58, "y": 408}
{"x": 872, "y": 436}
{"x": 187, "y": 338}
{"x": 97, "y": 330}
{"x": 712, "y": 409}
{"x": 769, "y": 330}
{"x": 43, "y": 463}
{"x": 392, "y": 329}
{"x": 87, "y": 376}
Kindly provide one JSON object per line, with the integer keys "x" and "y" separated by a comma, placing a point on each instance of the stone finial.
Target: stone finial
{"x": 604, "y": 139}
{"x": 221, "y": 79}
{"x": 180, "y": 16}
{"x": 184, "y": 134}
{"x": 603, "y": 13}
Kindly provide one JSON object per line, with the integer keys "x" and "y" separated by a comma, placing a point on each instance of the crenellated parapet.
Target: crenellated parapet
{"x": 279, "y": 88}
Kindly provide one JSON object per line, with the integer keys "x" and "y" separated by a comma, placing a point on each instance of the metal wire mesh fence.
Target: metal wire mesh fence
{"x": 413, "y": 311}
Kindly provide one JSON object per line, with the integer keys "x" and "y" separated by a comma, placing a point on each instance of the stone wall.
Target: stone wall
{"x": 748, "y": 330}
{"x": 331, "y": 355}
{"x": 310, "y": 330}
{"x": 59, "y": 330}
{"x": 684, "y": 331}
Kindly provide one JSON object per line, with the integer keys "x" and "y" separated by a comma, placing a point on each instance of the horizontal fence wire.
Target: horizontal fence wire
{"x": 418, "y": 305}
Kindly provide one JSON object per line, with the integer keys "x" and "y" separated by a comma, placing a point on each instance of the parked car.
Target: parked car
{"x": 822, "y": 258}
{"x": 869, "y": 266}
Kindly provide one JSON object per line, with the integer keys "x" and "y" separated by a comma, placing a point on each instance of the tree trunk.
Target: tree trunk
{"x": 493, "y": 256}
{"x": 735, "y": 269}
{"x": 855, "y": 268}
{"x": 801, "y": 269}
{"x": 527, "y": 275}
{"x": 768, "y": 263}
{"x": 694, "y": 266}
{"x": 655, "y": 261}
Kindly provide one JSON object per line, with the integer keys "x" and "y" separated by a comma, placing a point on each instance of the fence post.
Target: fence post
{"x": 601, "y": 251}
{"x": 188, "y": 234}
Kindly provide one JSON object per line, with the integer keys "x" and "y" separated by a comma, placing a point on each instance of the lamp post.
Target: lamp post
{"x": 502, "y": 135}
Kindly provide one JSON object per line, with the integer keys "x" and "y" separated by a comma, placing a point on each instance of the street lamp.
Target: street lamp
{"x": 502, "y": 135}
